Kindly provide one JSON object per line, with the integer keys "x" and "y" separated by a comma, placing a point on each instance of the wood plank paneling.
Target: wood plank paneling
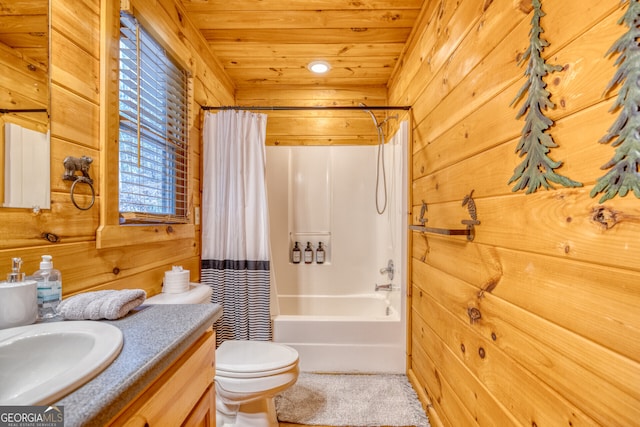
{"x": 75, "y": 126}
{"x": 324, "y": 127}
{"x": 542, "y": 285}
{"x": 513, "y": 386}
{"x": 204, "y": 18}
{"x": 553, "y": 274}
{"x": 77, "y": 70}
{"x": 270, "y": 43}
{"x": 548, "y": 351}
{"x": 74, "y": 119}
{"x": 568, "y": 225}
{"x": 277, "y": 36}
{"x": 310, "y": 96}
{"x": 80, "y": 21}
{"x": 309, "y": 5}
{"x": 300, "y": 75}
{"x": 473, "y": 406}
{"x": 319, "y": 50}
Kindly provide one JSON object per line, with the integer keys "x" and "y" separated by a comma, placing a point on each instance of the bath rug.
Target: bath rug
{"x": 354, "y": 400}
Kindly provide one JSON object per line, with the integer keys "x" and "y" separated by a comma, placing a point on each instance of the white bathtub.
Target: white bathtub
{"x": 346, "y": 333}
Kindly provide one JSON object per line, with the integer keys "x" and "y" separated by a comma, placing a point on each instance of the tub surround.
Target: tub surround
{"x": 155, "y": 336}
{"x": 331, "y": 313}
{"x": 346, "y": 333}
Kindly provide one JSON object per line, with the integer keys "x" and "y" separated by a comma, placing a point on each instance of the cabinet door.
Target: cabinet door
{"x": 204, "y": 414}
{"x": 170, "y": 400}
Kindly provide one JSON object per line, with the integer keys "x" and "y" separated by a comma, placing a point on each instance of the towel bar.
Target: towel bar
{"x": 470, "y": 223}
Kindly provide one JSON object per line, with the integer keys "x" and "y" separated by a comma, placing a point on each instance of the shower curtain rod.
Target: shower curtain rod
{"x": 303, "y": 108}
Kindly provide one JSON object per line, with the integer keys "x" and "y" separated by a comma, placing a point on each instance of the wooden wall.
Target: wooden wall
{"x": 554, "y": 274}
{"x": 325, "y": 127}
{"x": 75, "y": 66}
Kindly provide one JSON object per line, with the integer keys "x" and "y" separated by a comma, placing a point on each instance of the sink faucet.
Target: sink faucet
{"x": 388, "y": 269}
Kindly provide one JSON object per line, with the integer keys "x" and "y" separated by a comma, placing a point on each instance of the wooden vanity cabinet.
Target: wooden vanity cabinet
{"x": 183, "y": 395}
{"x": 204, "y": 414}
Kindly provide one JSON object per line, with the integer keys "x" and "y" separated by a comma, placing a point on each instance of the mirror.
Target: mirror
{"x": 24, "y": 104}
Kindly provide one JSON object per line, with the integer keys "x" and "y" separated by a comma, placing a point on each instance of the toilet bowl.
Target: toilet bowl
{"x": 248, "y": 373}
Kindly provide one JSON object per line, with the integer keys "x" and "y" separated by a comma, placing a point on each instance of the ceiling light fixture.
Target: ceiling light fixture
{"x": 319, "y": 67}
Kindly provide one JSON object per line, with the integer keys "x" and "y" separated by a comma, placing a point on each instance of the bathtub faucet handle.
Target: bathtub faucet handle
{"x": 389, "y": 269}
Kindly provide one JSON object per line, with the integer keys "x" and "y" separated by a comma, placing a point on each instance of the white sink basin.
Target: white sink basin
{"x": 43, "y": 362}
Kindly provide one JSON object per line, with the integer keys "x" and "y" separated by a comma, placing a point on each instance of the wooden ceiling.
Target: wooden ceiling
{"x": 268, "y": 43}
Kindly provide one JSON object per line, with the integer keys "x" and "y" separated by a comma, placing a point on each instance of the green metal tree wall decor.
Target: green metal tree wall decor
{"x": 537, "y": 169}
{"x": 624, "y": 165}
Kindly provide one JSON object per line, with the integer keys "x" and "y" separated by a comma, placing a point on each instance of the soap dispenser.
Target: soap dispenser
{"x": 308, "y": 254}
{"x": 49, "y": 282}
{"x": 16, "y": 275}
{"x": 320, "y": 254}
{"x": 18, "y": 300}
{"x": 296, "y": 254}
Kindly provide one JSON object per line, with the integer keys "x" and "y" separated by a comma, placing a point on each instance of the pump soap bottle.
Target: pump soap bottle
{"x": 18, "y": 301}
{"x": 320, "y": 254}
{"x": 308, "y": 254}
{"x": 296, "y": 254}
{"x": 49, "y": 282}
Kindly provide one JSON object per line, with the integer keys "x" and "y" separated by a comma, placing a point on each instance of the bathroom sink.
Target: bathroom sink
{"x": 43, "y": 362}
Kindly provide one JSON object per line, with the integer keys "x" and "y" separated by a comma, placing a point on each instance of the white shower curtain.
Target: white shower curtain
{"x": 235, "y": 223}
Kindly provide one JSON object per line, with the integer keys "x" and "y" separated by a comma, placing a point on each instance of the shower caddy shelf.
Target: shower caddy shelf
{"x": 470, "y": 231}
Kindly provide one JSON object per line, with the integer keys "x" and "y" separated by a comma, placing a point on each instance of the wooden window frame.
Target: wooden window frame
{"x": 111, "y": 233}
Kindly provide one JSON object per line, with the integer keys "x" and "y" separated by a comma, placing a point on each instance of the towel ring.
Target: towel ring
{"x": 72, "y": 192}
{"x": 79, "y": 164}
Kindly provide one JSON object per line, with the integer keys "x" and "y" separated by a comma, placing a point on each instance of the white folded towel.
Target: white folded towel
{"x": 95, "y": 305}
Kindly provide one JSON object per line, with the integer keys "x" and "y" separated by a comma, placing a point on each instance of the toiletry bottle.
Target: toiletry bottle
{"x": 18, "y": 298}
{"x": 308, "y": 254}
{"x": 320, "y": 254}
{"x": 16, "y": 275}
{"x": 296, "y": 254}
{"x": 49, "y": 282}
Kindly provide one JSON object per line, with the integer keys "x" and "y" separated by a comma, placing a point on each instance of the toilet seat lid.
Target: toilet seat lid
{"x": 244, "y": 357}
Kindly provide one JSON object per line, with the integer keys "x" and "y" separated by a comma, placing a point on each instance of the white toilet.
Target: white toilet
{"x": 248, "y": 373}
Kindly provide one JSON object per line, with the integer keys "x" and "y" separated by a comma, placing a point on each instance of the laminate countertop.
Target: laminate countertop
{"x": 154, "y": 337}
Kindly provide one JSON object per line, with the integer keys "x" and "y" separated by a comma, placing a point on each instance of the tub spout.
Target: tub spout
{"x": 385, "y": 287}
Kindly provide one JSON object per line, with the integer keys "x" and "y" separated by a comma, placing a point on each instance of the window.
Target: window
{"x": 153, "y": 129}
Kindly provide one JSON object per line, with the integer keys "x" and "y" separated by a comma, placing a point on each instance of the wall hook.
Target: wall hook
{"x": 423, "y": 210}
{"x": 470, "y": 223}
{"x": 77, "y": 164}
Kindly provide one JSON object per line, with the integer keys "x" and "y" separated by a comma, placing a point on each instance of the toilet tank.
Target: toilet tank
{"x": 197, "y": 294}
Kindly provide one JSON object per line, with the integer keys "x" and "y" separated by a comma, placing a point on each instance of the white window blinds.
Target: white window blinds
{"x": 153, "y": 129}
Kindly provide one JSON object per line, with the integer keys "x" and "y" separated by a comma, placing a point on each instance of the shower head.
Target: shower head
{"x": 380, "y": 160}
